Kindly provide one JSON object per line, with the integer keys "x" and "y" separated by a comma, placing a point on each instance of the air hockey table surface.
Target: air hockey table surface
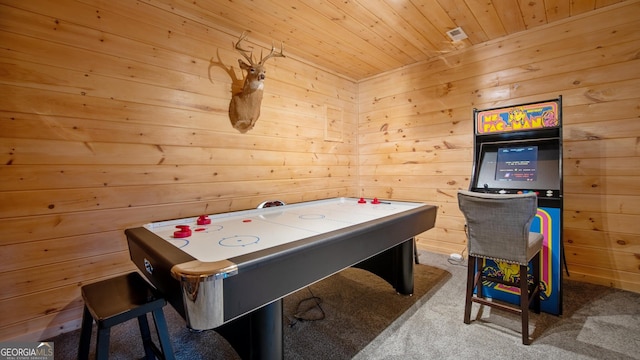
{"x": 233, "y": 234}
{"x": 230, "y": 271}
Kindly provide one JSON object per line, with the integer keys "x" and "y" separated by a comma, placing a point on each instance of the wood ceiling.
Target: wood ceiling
{"x": 362, "y": 38}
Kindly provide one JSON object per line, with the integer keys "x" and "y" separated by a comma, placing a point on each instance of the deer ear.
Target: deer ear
{"x": 243, "y": 65}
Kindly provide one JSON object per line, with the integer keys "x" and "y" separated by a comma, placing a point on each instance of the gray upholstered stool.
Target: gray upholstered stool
{"x": 499, "y": 228}
{"x": 116, "y": 300}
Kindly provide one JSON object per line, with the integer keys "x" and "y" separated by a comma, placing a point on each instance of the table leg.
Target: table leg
{"x": 394, "y": 265}
{"x": 258, "y": 334}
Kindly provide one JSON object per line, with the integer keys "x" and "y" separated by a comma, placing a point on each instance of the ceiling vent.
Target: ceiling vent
{"x": 457, "y": 34}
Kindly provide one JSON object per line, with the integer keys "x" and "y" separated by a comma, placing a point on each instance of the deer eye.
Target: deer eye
{"x": 252, "y": 70}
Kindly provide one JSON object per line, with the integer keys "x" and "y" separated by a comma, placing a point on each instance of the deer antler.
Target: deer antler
{"x": 280, "y": 54}
{"x": 242, "y": 51}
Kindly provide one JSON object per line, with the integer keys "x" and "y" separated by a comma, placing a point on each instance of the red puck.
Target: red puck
{"x": 183, "y": 232}
{"x": 203, "y": 220}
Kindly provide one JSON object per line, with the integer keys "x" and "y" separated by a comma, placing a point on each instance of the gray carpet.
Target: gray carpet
{"x": 360, "y": 316}
{"x": 597, "y": 323}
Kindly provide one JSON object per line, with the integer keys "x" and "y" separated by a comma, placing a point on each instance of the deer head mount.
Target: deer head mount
{"x": 244, "y": 109}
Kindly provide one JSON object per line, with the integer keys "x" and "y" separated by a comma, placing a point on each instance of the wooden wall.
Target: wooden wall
{"x": 114, "y": 114}
{"x": 415, "y": 133}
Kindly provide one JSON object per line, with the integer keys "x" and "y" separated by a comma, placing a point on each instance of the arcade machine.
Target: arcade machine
{"x": 518, "y": 149}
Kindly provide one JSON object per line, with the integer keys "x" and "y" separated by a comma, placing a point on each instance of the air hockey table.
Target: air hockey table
{"x": 230, "y": 271}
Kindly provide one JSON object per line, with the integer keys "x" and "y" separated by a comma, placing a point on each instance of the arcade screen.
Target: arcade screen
{"x": 531, "y": 165}
{"x": 517, "y": 163}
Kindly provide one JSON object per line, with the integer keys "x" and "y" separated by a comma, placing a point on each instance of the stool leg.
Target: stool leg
{"x": 102, "y": 344}
{"x": 145, "y": 333}
{"x": 536, "y": 283}
{"x": 163, "y": 334}
{"x": 471, "y": 276}
{"x": 524, "y": 303}
{"x": 85, "y": 335}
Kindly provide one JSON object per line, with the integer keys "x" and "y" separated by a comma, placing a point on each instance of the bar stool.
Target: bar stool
{"x": 113, "y": 301}
{"x": 498, "y": 228}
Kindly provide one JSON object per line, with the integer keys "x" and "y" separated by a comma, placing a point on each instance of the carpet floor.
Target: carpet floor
{"x": 355, "y": 314}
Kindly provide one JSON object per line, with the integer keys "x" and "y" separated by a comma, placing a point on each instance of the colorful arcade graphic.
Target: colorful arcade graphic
{"x": 518, "y": 118}
{"x": 544, "y": 223}
{"x": 518, "y": 149}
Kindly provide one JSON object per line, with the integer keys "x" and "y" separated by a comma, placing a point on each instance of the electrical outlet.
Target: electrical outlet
{"x": 455, "y": 257}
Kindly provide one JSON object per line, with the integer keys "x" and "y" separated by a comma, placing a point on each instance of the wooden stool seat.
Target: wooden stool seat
{"x": 113, "y": 301}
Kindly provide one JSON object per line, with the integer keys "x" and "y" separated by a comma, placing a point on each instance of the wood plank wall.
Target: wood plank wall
{"x": 114, "y": 114}
{"x": 415, "y": 133}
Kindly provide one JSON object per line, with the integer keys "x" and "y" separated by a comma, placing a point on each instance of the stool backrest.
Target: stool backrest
{"x": 498, "y": 225}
